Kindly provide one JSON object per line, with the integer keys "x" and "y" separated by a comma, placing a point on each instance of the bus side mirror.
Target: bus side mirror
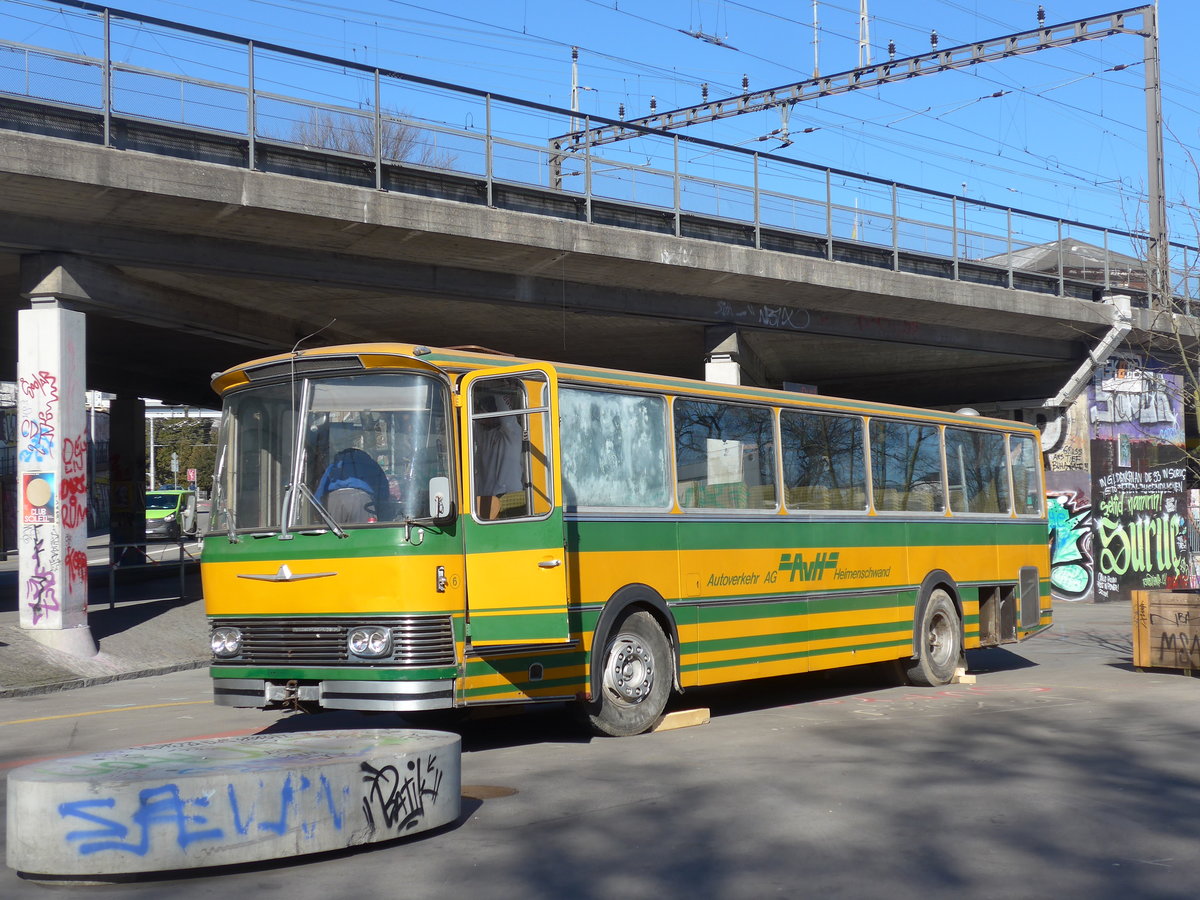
{"x": 439, "y": 498}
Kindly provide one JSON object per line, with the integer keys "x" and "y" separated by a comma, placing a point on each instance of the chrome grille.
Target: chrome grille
{"x": 321, "y": 641}
{"x": 424, "y": 641}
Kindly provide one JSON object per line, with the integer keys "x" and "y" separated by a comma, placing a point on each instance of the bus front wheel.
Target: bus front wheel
{"x": 635, "y": 679}
{"x": 938, "y": 647}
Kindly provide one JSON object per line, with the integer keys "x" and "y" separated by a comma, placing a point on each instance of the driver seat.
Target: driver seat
{"x": 350, "y": 506}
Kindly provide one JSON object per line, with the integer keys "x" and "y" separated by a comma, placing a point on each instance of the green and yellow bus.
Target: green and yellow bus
{"x": 404, "y": 528}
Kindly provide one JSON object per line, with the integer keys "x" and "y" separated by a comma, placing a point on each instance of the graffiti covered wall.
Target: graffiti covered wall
{"x": 1138, "y": 479}
{"x": 1069, "y": 496}
{"x": 98, "y": 481}
{"x": 1072, "y": 564}
{"x": 1074, "y": 453}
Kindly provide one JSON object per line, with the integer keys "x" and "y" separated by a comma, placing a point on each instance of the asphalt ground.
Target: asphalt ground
{"x": 1061, "y": 772}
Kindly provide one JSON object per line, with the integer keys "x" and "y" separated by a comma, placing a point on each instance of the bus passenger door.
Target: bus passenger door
{"x": 513, "y": 535}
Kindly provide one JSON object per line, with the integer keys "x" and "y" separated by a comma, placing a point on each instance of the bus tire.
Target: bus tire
{"x": 636, "y": 677}
{"x": 938, "y": 651}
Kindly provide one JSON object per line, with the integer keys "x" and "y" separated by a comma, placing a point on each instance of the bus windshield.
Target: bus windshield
{"x": 367, "y": 446}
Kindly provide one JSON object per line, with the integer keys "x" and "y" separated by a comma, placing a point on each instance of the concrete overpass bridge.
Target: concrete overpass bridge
{"x": 199, "y": 221}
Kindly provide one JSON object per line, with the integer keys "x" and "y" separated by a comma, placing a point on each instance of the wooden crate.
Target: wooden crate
{"x": 1166, "y": 629}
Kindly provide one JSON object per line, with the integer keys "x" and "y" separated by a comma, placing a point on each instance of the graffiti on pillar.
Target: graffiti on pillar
{"x": 98, "y": 472}
{"x": 76, "y": 565}
{"x": 39, "y": 416}
{"x": 1071, "y": 564}
{"x": 1138, "y": 496}
{"x": 41, "y": 589}
{"x": 73, "y": 493}
{"x": 97, "y": 505}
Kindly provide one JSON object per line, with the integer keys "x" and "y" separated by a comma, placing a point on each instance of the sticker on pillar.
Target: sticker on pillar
{"x": 37, "y": 498}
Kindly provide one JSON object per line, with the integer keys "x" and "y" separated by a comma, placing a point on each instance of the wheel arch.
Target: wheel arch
{"x": 632, "y": 596}
{"x": 938, "y": 578}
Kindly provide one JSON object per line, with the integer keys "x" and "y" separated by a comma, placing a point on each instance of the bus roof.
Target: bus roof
{"x": 383, "y": 355}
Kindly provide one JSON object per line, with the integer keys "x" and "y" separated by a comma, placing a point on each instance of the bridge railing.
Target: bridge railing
{"x": 154, "y": 85}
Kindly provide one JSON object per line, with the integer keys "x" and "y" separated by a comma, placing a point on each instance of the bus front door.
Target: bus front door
{"x": 513, "y": 537}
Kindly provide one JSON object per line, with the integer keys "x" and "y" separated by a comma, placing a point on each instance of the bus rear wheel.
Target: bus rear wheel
{"x": 636, "y": 677}
{"x": 939, "y": 647}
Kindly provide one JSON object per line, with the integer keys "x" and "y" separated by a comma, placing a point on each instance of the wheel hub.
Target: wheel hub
{"x": 629, "y": 675}
{"x": 940, "y": 641}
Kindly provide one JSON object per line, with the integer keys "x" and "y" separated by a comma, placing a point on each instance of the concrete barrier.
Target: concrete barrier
{"x": 228, "y": 801}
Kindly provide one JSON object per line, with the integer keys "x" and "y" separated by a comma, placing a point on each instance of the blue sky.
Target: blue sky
{"x": 1066, "y": 136}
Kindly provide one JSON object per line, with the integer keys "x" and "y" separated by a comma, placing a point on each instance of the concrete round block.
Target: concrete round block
{"x": 230, "y": 800}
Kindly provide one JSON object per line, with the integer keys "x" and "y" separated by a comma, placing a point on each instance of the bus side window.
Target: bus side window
{"x": 614, "y": 450}
{"x": 906, "y": 467}
{"x": 975, "y": 468}
{"x": 823, "y": 464}
{"x": 725, "y": 455}
{"x": 1027, "y": 485}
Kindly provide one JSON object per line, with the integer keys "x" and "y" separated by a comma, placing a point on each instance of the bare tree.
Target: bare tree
{"x": 1174, "y": 339}
{"x": 355, "y": 133}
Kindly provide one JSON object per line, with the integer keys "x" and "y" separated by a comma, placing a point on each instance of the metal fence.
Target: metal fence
{"x": 142, "y": 82}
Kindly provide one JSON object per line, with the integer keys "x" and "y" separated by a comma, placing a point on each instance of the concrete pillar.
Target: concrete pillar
{"x": 52, "y": 488}
{"x": 127, "y": 476}
{"x": 728, "y": 358}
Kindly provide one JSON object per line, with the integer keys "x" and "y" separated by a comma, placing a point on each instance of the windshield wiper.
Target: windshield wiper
{"x": 333, "y": 526}
{"x": 232, "y": 529}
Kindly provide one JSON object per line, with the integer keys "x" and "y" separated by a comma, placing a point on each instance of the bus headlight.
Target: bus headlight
{"x": 370, "y": 641}
{"x": 226, "y": 642}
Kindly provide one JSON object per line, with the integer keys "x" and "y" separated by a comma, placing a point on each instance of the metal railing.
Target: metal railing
{"x": 118, "y": 79}
{"x": 135, "y": 556}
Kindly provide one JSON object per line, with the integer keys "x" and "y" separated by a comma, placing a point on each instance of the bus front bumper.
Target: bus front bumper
{"x": 370, "y": 696}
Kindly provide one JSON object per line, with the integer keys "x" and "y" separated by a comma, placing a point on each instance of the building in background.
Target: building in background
{"x": 1079, "y": 261}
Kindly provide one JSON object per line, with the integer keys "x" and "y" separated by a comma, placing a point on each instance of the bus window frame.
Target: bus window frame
{"x": 789, "y": 510}
{"x": 668, "y": 447}
{"x": 1039, "y": 470}
{"x": 776, "y": 468}
{"x": 938, "y": 427}
{"x": 967, "y": 514}
{"x": 553, "y": 463}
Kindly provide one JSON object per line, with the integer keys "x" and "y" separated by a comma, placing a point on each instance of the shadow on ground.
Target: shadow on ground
{"x": 106, "y": 622}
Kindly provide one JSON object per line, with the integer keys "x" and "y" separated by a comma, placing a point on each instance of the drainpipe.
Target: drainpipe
{"x": 1121, "y": 326}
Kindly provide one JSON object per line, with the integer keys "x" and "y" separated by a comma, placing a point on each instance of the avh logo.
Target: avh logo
{"x": 807, "y": 570}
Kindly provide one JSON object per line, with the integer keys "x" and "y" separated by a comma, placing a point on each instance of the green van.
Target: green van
{"x": 171, "y": 514}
